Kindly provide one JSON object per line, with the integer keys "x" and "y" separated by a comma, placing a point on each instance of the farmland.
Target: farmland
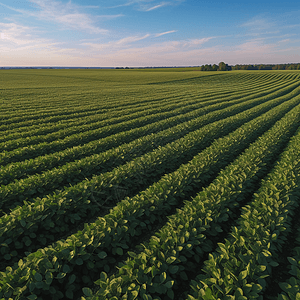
{"x": 149, "y": 184}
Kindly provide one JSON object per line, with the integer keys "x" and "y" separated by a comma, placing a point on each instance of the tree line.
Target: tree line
{"x": 225, "y": 67}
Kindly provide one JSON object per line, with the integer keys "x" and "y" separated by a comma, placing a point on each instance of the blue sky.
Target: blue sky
{"x": 111, "y": 33}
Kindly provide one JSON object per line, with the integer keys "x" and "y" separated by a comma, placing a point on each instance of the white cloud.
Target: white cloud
{"x": 148, "y": 5}
{"x": 254, "y": 46}
{"x": 258, "y": 24}
{"x": 125, "y": 48}
{"x": 192, "y": 52}
{"x": 12, "y": 8}
{"x": 15, "y": 34}
{"x": 113, "y": 45}
{"x": 19, "y": 46}
{"x": 131, "y": 39}
{"x": 163, "y": 33}
{"x": 17, "y": 38}
{"x": 196, "y": 42}
{"x": 125, "y": 44}
{"x": 124, "y": 53}
{"x": 68, "y": 14}
{"x": 155, "y": 6}
{"x": 262, "y": 42}
{"x": 285, "y": 41}
{"x": 291, "y": 26}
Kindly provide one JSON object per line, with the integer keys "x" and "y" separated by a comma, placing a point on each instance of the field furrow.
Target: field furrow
{"x": 149, "y": 184}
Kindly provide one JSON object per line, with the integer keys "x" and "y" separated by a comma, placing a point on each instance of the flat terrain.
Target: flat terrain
{"x": 149, "y": 184}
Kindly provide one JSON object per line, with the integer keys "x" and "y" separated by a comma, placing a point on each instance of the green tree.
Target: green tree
{"x": 222, "y": 66}
{"x": 215, "y": 67}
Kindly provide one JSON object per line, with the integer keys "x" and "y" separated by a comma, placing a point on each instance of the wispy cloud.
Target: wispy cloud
{"x": 156, "y": 6}
{"x": 259, "y": 40}
{"x": 126, "y": 44}
{"x": 131, "y": 39}
{"x": 21, "y": 46}
{"x": 254, "y": 46}
{"x": 113, "y": 45}
{"x": 268, "y": 36}
{"x": 92, "y": 6}
{"x": 258, "y": 24}
{"x": 15, "y": 37}
{"x": 148, "y": 5}
{"x": 179, "y": 53}
{"x": 69, "y": 15}
{"x": 13, "y": 8}
{"x": 109, "y": 17}
{"x": 285, "y": 41}
{"x": 15, "y": 34}
{"x": 163, "y": 33}
{"x": 291, "y": 26}
{"x": 128, "y": 41}
{"x": 196, "y": 42}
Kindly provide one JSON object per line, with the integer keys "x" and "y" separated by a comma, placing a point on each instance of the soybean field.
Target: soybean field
{"x": 149, "y": 184}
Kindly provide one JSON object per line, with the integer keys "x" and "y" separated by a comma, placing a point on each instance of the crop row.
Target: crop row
{"x": 113, "y": 105}
{"x": 148, "y": 167}
{"x": 80, "y": 138}
{"x": 20, "y": 170}
{"x": 61, "y": 109}
{"x": 291, "y": 287}
{"x": 82, "y": 106}
{"x": 36, "y": 106}
{"x": 239, "y": 267}
{"x": 129, "y": 219}
{"x": 47, "y": 128}
{"x": 104, "y": 115}
{"x": 17, "y": 170}
{"x": 48, "y": 132}
{"x": 83, "y": 109}
{"x": 180, "y": 245}
{"x": 106, "y": 118}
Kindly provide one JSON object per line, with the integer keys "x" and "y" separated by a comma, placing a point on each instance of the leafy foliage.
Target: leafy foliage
{"x": 147, "y": 154}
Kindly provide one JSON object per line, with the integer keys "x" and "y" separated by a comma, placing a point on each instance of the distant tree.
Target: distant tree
{"x": 215, "y": 67}
{"x": 237, "y": 67}
{"x": 208, "y": 67}
{"x": 222, "y": 66}
{"x": 293, "y": 67}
